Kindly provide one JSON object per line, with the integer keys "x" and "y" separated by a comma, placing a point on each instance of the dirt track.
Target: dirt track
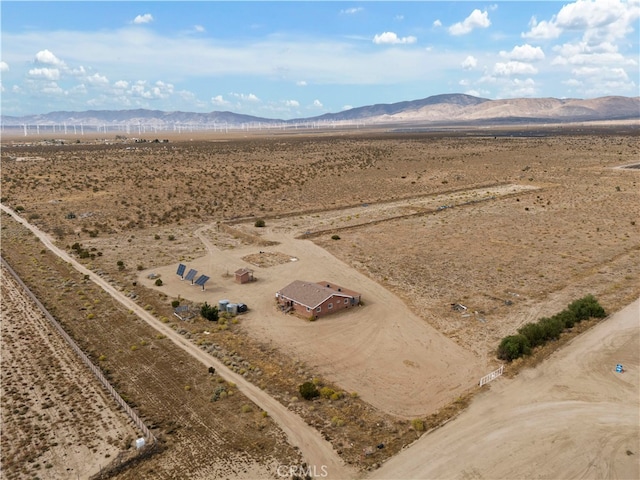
{"x": 572, "y": 417}
{"x": 314, "y": 448}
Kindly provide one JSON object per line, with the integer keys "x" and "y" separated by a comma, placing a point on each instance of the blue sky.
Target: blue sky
{"x": 300, "y": 59}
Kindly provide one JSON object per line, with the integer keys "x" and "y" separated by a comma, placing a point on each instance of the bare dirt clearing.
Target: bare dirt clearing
{"x": 573, "y": 416}
{"x": 529, "y": 225}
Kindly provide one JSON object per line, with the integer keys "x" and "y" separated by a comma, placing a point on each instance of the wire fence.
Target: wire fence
{"x": 148, "y": 436}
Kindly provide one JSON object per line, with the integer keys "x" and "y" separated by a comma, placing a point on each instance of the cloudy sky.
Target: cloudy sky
{"x": 299, "y": 59}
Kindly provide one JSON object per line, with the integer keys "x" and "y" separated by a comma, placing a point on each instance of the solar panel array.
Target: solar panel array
{"x": 191, "y": 275}
{"x": 202, "y": 279}
{"x": 181, "y": 269}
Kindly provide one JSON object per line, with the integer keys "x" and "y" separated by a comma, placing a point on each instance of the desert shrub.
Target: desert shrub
{"x": 120, "y": 264}
{"x": 551, "y": 327}
{"x": 417, "y": 424}
{"x": 335, "y": 237}
{"x": 260, "y": 223}
{"x": 548, "y": 328}
{"x": 512, "y": 347}
{"x": 158, "y": 282}
{"x": 245, "y": 408}
{"x": 326, "y": 392}
{"x": 337, "y": 422}
{"x": 171, "y": 238}
{"x": 534, "y": 334}
{"x": 586, "y": 307}
{"x": 308, "y": 391}
{"x": 209, "y": 312}
{"x": 175, "y": 303}
{"x": 336, "y": 396}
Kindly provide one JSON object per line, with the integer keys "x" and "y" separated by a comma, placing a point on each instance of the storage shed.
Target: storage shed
{"x": 244, "y": 275}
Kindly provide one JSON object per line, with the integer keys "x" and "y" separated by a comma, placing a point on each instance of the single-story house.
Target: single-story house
{"x": 309, "y": 299}
{"x": 244, "y": 275}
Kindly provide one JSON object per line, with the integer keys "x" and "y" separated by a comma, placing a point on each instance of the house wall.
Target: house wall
{"x": 337, "y": 304}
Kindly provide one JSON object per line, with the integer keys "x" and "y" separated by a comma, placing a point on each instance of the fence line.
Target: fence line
{"x": 492, "y": 376}
{"x": 149, "y": 437}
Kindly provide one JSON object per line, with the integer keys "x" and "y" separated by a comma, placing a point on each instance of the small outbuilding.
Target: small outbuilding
{"x": 244, "y": 275}
{"x": 309, "y": 299}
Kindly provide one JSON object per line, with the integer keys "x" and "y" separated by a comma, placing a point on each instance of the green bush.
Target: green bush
{"x": 551, "y": 327}
{"x": 159, "y": 282}
{"x": 308, "y": 391}
{"x": 209, "y": 312}
{"x": 260, "y": 223}
{"x": 326, "y": 392}
{"x": 586, "y": 307}
{"x": 175, "y": 303}
{"x": 533, "y": 333}
{"x": 512, "y": 347}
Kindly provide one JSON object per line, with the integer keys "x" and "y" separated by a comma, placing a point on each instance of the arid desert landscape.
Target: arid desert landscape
{"x": 454, "y": 239}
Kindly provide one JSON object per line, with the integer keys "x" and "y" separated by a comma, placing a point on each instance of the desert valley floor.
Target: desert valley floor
{"x": 505, "y": 226}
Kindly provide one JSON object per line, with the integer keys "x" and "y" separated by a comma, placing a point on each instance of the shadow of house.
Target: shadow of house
{"x": 314, "y": 300}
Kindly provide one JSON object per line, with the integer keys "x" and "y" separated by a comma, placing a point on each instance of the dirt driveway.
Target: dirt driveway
{"x": 392, "y": 358}
{"x": 571, "y": 417}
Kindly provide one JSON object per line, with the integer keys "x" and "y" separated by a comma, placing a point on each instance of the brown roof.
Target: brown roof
{"x": 312, "y": 294}
{"x": 242, "y": 271}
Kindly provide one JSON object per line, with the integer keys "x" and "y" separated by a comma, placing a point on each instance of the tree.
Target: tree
{"x": 308, "y": 391}
{"x": 209, "y": 312}
{"x": 512, "y": 347}
{"x": 260, "y": 223}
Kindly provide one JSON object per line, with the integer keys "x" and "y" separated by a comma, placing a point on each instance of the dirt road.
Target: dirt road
{"x": 573, "y": 416}
{"x": 317, "y": 452}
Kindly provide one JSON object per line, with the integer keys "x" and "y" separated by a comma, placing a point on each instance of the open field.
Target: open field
{"x": 512, "y": 227}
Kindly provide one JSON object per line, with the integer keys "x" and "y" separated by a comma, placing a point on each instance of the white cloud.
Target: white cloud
{"x": 352, "y": 11}
{"x": 525, "y": 53}
{"x": 292, "y": 103}
{"x": 301, "y": 83}
{"x": 122, "y": 84}
{"x": 477, "y": 19}
{"x": 4, "y": 67}
{"x": 97, "y": 79}
{"x": 437, "y": 23}
{"x": 399, "y": 18}
{"x": 392, "y": 38}
{"x": 469, "y": 62}
{"x": 246, "y": 97}
{"x": 146, "y": 18}
{"x": 542, "y": 31}
{"x": 47, "y": 58}
{"x": 514, "y": 68}
{"x": 199, "y": 28}
{"x": 347, "y": 107}
{"x": 51, "y": 88}
{"x": 317, "y": 103}
{"x": 597, "y": 21}
{"x": 45, "y": 73}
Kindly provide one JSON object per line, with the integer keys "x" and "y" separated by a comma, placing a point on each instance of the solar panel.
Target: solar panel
{"x": 191, "y": 274}
{"x": 181, "y": 268}
{"x": 202, "y": 279}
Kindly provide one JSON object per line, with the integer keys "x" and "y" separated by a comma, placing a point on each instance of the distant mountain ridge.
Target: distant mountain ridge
{"x": 439, "y": 109}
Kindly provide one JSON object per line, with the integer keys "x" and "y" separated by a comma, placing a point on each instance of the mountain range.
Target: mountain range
{"x": 446, "y": 109}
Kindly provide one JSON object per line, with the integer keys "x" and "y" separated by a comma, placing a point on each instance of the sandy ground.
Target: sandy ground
{"x": 572, "y": 417}
{"x": 57, "y": 421}
{"x": 315, "y": 450}
{"x": 393, "y": 359}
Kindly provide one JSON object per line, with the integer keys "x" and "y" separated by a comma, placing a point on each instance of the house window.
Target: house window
{"x": 319, "y": 309}
{"x": 346, "y": 301}
{"x": 330, "y": 306}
